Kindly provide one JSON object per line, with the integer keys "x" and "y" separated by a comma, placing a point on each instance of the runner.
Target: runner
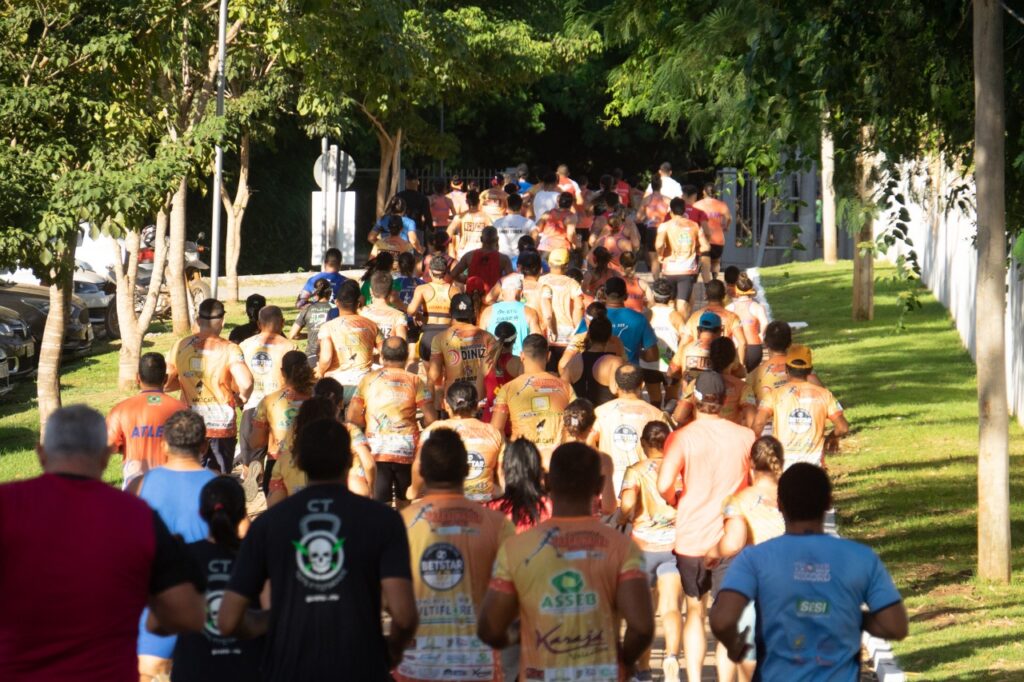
{"x": 621, "y": 421}
{"x": 333, "y": 560}
{"x": 213, "y": 378}
{"x": 622, "y": 188}
{"x": 494, "y": 200}
{"x": 511, "y": 309}
{"x": 666, "y": 323}
{"x": 487, "y": 263}
{"x": 561, "y": 305}
{"x": 453, "y": 542}
{"x": 698, "y": 216}
{"x": 739, "y": 406}
{"x": 719, "y": 220}
{"x": 534, "y": 401}
{"x": 135, "y": 427}
{"x": 390, "y": 321}
{"x": 208, "y": 655}
{"x": 732, "y": 325}
{"x": 599, "y": 272}
{"x": 571, "y": 579}
{"x": 438, "y": 250}
{"x": 753, "y": 319}
{"x": 522, "y": 178}
{"x": 578, "y": 420}
{"x": 312, "y": 317}
{"x": 253, "y": 305}
{"x": 615, "y": 231}
{"x": 271, "y": 428}
{"x": 80, "y": 560}
{"x": 467, "y": 227}
{"x": 568, "y": 185}
{"x": 347, "y": 342}
{"x": 512, "y": 227}
{"x": 431, "y": 304}
{"x": 442, "y": 210}
{"x": 798, "y": 610}
{"x": 385, "y": 406}
{"x": 653, "y": 531}
{"x": 329, "y": 271}
{"x": 396, "y": 208}
{"x": 417, "y": 205}
{"x": 545, "y": 199}
{"x": 482, "y": 441}
{"x": 524, "y": 501}
{"x": 556, "y": 228}
{"x": 631, "y": 327}
{"x": 670, "y": 189}
{"x": 527, "y": 245}
{"x": 652, "y": 212}
{"x": 638, "y": 295}
{"x": 506, "y": 368}
{"x": 172, "y": 490}
{"x": 713, "y": 457}
{"x": 463, "y": 351}
{"x": 383, "y": 262}
{"x": 393, "y": 243}
{"x": 679, "y": 245}
{"x": 730, "y": 275}
{"x": 590, "y": 359}
{"x": 457, "y": 196}
{"x": 799, "y": 411}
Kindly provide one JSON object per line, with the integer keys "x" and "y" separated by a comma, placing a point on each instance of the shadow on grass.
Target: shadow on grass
{"x": 924, "y": 659}
{"x": 15, "y": 438}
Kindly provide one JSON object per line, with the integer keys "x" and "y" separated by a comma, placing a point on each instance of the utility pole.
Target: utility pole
{"x": 218, "y": 164}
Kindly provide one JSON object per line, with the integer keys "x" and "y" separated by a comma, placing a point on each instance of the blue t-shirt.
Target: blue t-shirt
{"x": 632, "y": 328}
{"x": 808, "y": 591}
{"x": 514, "y": 312}
{"x": 544, "y": 267}
{"x": 408, "y": 225}
{"x": 524, "y": 186}
{"x": 336, "y": 279}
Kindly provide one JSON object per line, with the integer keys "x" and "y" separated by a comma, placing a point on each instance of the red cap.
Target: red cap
{"x": 474, "y": 284}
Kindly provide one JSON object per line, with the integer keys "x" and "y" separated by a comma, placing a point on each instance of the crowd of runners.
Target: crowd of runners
{"x": 543, "y": 420}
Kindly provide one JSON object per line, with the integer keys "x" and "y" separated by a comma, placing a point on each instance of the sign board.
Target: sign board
{"x": 344, "y": 227}
{"x": 344, "y": 169}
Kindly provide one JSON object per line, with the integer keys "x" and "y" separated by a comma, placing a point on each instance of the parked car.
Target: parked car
{"x": 33, "y": 303}
{"x": 16, "y": 344}
{"x": 99, "y": 293}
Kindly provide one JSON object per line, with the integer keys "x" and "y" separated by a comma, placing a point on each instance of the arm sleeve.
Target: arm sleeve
{"x": 834, "y": 408}
{"x": 501, "y": 400}
{"x": 501, "y": 576}
{"x": 115, "y": 434}
{"x": 260, "y": 417}
{"x": 880, "y": 591}
{"x": 394, "y": 557}
{"x": 250, "y": 570}
{"x": 172, "y": 564}
{"x": 742, "y": 575}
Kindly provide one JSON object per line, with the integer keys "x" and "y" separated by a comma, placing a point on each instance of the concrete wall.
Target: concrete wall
{"x": 943, "y": 237}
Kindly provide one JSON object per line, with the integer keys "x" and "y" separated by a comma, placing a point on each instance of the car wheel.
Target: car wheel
{"x": 110, "y": 322}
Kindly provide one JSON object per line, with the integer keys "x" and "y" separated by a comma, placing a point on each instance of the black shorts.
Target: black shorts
{"x": 653, "y": 376}
{"x": 391, "y": 477}
{"x": 220, "y": 456}
{"x": 715, "y": 252}
{"x": 697, "y": 579}
{"x": 684, "y": 285}
{"x": 427, "y": 335}
{"x": 651, "y": 238}
{"x": 555, "y": 354}
{"x": 752, "y": 356}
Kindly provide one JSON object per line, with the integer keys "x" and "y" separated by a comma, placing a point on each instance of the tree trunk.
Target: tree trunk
{"x": 829, "y": 234}
{"x": 864, "y": 253}
{"x": 48, "y": 378}
{"x": 387, "y": 147}
{"x": 176, "y": 263}
{"x": 235, "y": 210}
{"x": 396, "y": 164}
{"x": 990, "y": 295}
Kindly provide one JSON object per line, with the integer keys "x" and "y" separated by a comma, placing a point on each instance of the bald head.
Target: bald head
{"x": 271, "y": 319}
{"x": 395, "y": 351}
{"x": 75, "y": 441}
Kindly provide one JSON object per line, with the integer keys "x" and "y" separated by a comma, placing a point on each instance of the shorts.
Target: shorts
{"x": 659, "y": 564}
{"x": 651, "y": 238}
{"x": 715, "y": 252}
{"x": 684, "y": 285}
{"x": 555, "y": 354}
{"x": 220, "y": 456}
{"x": 752, "y": 356}
{"x": 653, "y": 376}
{"x": 392, "y": 477}
{"x": 427, "y": 337}
{"x": 697, "y": 579}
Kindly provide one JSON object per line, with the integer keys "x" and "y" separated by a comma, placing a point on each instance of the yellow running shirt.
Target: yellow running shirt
{"x": 654, "y": 523}
{"x": 203, "y": 365}
{"x": 535, "y": 404}
{"x": 799, "y": 412}
{"x": 565, "y": 573}
{"x": 387, "y": 320}
{"x": 391, "y": 397}
{"x": 468, "y": 354}
{"x": 763, "y": 519}
{"x": 452, "y": 542}
{"x": 291, "y": 479}
{"x": 354, "y": 339}
{"x": 560, "y": 291}
{"x": 483, "y": 445}
{"x": 263, "y": 355}
{"x": 618, "y": 425}
{"x": 278, "y": 411}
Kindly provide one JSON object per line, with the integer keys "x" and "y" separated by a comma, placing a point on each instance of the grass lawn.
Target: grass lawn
{"x": 906, "y": 479}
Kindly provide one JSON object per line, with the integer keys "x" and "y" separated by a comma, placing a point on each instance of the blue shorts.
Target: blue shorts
{"x": 659, "y": 564}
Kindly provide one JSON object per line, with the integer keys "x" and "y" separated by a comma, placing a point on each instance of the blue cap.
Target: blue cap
{"x": 709, "y": 320}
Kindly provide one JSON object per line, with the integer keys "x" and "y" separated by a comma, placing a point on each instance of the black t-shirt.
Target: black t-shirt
{"x": 312, "y": 318}
{"x": 207, "y": 656}
{"x": 243, "y": 332}
{"x": 325, "y": 551}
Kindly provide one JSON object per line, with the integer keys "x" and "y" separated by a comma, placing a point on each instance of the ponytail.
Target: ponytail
{"x": 297, "y": 372}
{"x": 222, "y": 506}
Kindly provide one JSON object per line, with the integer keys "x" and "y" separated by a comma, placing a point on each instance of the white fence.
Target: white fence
{"x": 943, "y": 237}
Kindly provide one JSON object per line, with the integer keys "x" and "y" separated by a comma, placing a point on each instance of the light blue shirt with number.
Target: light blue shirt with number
{"x": 808, "y": 591}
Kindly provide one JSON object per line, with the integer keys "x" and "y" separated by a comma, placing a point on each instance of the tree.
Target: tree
{"x": 990, "y": 295}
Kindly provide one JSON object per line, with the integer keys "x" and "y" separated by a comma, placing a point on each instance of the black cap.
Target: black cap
{"x": 615, "y": 286}
{"x": 462, "y": 308}
{"x": 709, "y": 385}
{"x": 505, "y": 332}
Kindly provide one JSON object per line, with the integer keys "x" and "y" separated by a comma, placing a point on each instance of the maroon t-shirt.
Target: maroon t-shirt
{"x": 696, "y": 215}
{"x": 78, "y": 562}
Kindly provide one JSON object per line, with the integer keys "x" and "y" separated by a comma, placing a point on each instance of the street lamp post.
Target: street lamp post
{"x": 218, "y": 165}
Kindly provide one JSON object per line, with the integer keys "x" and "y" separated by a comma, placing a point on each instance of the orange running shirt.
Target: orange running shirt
{"x": 561, "y": 291}
{"x": 736, "y": 397}
{"x": 655, "y": 210}
{"x": 354, "y": 339}
{"x": 654, "y": 523}
{"x": 263, "y": 355}
{"x": 746, "y": 308}
{"x": 683, "y": 246}
{"x": 470, "y": 226}
{"x": 484, "y": 444}
{"x": 458, "y": 199}
{"x": 565, "y": 573}
{"x": 394, "y": 245}
{"x": 453, "y": 543}
{"x": 277, "y": 412}
{"x": 135, "y": 428}
{"x": 441, "y": 210}
{"x": 618, "y": 425}
{"x": 203, "y": 365}
{"x": 534, "y": 404}
{"x": 732, "y": 326}
{"x": 763, "y": 519}
{"x": 718, "y": 215}
{"x": 387, "y": 319}
{"x": 390, "y": 397}
{"x": 713, "y": 457}
{"x": 290, "y": 479}
{"x": 468, "y": 353}
{"x": 769, "y": 375}
{"x": 799, "y": 412}
{"x": 554, "y": 230}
